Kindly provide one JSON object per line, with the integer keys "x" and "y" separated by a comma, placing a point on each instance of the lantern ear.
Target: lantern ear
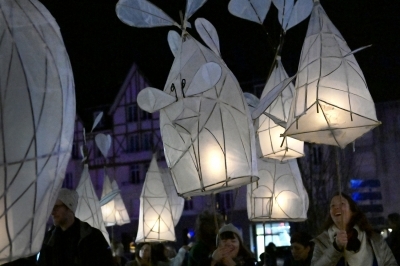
{"x": 103, "y": 142}
{"x": 205, "y": 78}
{"x": 152, "y": 99}
{"x": 253, "y": 10}
{"x": 290, "y": 15}
{"x": 208, "y": 33}
{"x": 192, "y": 6}
{"x": 142, "y": 14}
{"x": 174, "y": 41}
{"x": 252, "y": 100}
{"x": 97, "y": 120}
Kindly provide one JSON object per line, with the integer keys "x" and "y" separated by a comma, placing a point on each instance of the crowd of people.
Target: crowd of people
{"x": 347, "y": 238}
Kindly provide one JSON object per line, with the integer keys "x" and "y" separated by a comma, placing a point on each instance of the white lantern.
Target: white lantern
{"x": 155, "y": 217}
{"x": 269, "y": 133}
{"x": 89, "y": 208}
{"x": 279, "y": 194}
{"x": 37, "y": 118}
{"x": 332, "y": 104}
{"x": 177, "y": 203}
{"x": 114, "y": 212}
{"x": 205, "y": 124}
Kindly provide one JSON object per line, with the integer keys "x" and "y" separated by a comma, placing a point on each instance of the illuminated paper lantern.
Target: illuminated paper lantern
{"x": 332, "y": 104}
{"x": 279, "y": 194}
{"x": 155, "y": 217}
{"x": 114, "y": 212}
{"x": 89, "y": 208}
{"x": 37, "y": 122}
{"x": 269, "y": 133}
{"x": 177, "y": 203}
{"x": 205, "y": 124}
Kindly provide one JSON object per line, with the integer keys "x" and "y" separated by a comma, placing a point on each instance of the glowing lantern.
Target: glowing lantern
{"x": 279, "y": 194}
{"x": 114, "y": 212}
{"x": 177, "y": 203}
{"x": 89, "y": 208}
{"x": 332, "y": 104}
{"x": 269, "y": 133}
{"x": 205, "y": 125}
{"x": 155, "y": 217}
{"x": 37, "y": 119}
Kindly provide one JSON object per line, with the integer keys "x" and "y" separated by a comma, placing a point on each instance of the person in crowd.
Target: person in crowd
{"x": 348, "y": 238}
{"x": 393, "y": 239}
{"x": 159, "y": 256}
{"x": 171, "y": 252}
{"x": 118, "y": 253}
{"x": 230, "y": 249}
{"x": 71, "y": 242}
{"x": 270, "y": 255}
{"x": 301, "y": 248}
{"x": 207, "y": 226}
{"x": 142, "y": 255}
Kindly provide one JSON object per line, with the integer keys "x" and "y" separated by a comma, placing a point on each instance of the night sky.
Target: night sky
{"x": 102, "y": 48}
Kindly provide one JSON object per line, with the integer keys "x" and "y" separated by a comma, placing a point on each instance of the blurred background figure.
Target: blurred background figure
{"x": 142, "y": 255}
{"x": 117, "y": 250}
{"x": 230, "y": 249}
{"x": 393, "y": 239}
{"x": 207, "y": 226}
{"x": 301, "y": 249}
{"x": 270, "y": 255}
{"x": 159, "y": 256}
{"x": 171, "y": 252}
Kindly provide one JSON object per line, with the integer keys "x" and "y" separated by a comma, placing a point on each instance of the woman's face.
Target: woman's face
{"x": 299, "y": 251}
{"x": 232, "y": 245}
{"x": 144, "y": 252}
{"x": 340, "y": 211}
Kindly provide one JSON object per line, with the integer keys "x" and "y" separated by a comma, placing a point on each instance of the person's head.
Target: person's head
{"x": 394, "y": 220}
{"x": 345, "y": 214}
{"x": 158, "y": 253}
{"x": 300, "y": 245}
{"x": 143, "y": 251}
{"x": 207, "y": 226}
{"x": 63, "y": 212}
{"x": 230, "y": 237}
{"x": 170, "y": 251}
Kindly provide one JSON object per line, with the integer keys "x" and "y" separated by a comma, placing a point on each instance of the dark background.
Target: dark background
{"x": 102, "y": 48}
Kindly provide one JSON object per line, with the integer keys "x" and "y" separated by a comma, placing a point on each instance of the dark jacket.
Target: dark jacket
{"x": 79, "y": 245}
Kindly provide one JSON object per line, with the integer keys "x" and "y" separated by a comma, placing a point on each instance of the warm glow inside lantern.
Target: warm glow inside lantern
{"x": 279, "y": 194}
{"x": 156, "y": 222}
{"x": 269, "y": 134}
{"x": 332, "y": 104}
{"x": 37, "y": 118}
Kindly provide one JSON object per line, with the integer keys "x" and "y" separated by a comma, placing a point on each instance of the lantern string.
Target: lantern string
{"x": 340, "y": 191}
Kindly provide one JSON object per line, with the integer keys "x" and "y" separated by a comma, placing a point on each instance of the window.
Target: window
{"x": 145, "y": 115}
{"x": 225, "y": 200}
{"x": 68, "y": 181}
{"x": 134, "y": 176}
{"x": 132, "y": 112}
{"x": 276, "y": 232}
{"x": 147, "y": 141}
{"x": 317, "y": 155}
{"x": 133, "y": 143}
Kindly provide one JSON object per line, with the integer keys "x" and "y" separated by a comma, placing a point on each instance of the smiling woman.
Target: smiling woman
{"x": 230, "y": 248}
{"x": 348, "y": 237}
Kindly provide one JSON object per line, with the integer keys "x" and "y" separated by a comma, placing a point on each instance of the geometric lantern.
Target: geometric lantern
{"x": 177, "y": 203}
{"x": 279, "y": 194}
{"x": 156, "y": 223}
{"x": 114, "y": 212}
{"x": 272, "y": 144}
{"x": 332, "y": 104}
{"x": 88, "y": 209}
{"x": 37, "y": 113}
{"x": 205, "y": 125}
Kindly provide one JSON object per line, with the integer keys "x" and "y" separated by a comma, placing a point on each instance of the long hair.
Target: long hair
{"x": 358, "y": 217}
{"x": 206, "y": 229}
{"x": 244, "y": 252}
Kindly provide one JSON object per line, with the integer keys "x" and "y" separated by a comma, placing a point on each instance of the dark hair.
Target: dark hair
{"x": 302, "y": 238}
{"x": 244, "y": 252}
{"x": 138, "y": 248}
{"x": 358, "y": 217}
{"x": 157, "y": 253}
{"x": 394, "y": 218}
{"x": 206, "y": 229}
